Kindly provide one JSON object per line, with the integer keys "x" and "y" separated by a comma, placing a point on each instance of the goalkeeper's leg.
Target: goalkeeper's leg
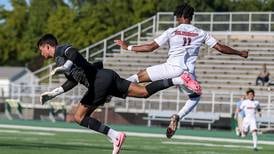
{"x": 83, "y": 118}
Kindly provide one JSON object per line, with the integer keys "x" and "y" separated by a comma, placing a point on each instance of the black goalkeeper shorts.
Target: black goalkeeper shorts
{"x": 107, "y": 82}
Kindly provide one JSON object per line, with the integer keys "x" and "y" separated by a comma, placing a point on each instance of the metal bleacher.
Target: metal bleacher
{"x": 224, "y": 78}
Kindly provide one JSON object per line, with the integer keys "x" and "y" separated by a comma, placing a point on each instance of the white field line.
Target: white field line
{"x": 27, "y": 133}
{"x": 183, "y": 137}
{"x": 210, "y": 144}
{"x": 51, "y": 129}
{"x": 136, "y": 134}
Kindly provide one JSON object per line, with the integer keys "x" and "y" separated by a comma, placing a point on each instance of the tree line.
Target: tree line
{"x": 84, "y": 22}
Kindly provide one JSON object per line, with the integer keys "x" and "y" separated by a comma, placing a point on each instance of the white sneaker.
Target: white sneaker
{"x": 117, "y": 145}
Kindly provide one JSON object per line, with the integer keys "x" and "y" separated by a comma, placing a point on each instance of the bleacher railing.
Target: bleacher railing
{"x": 220, "y": 102}
{"x": 223, "y": 21}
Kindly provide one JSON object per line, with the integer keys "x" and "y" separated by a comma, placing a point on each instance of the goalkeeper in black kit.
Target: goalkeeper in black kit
{"x": 100, "y": 82}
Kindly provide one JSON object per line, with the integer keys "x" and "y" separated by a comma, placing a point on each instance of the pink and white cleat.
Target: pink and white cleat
{"x": 117, "y": 145}
{"x": 190, "y": 83}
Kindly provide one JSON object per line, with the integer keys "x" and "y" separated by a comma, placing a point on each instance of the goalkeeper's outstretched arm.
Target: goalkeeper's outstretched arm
{"x": 46, "y": 96}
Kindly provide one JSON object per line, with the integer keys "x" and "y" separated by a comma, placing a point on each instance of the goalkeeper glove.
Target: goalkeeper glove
{"x": 46, "y": 96}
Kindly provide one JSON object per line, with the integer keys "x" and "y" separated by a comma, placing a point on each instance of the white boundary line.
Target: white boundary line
{"x": 210, "y": 145}
{"x": 136, "y": 134}
{"x": 184, "y": 137}
{"x": 51, "y": 129}
{"x": 27, "y": 133}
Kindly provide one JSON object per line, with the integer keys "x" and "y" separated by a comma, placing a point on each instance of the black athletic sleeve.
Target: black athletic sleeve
{"x": 77, "y": 59}
{"x": 98, "y": 65}
{"x": 259, "y": 108}
{"x": 69, "y": 84}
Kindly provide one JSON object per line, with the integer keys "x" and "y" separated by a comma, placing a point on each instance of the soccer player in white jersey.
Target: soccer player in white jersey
{"x": 184, "y": 43}
{"x": 250, "y": 107}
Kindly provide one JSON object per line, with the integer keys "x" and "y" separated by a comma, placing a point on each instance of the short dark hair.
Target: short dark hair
{"x": 47, "y": 39}
{"x": 184, "y": 10}
{"x": 249, "y": 90}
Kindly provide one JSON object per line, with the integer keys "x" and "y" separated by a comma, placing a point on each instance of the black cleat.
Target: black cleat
{"x": 255, "y": 149}
{"x": 171, "y": 129}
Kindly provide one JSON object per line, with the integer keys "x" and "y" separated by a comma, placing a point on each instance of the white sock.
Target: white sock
{"x": 254, "y": 137}
{"x": 188, "y": 107}
{"x": 134, "y": 78}
{"x": 177, "y": 81}
{"x": 113, "y": 134}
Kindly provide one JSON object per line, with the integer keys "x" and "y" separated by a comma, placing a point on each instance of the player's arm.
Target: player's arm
{"x": 228, "y": 50}
{"x": 68, "y": 64}
{"x": 61, "y": 69}
{"x": 149, "y": 47}
{"x": 259, "y": 110}
{"x": 46, "y": 96}
{"x": 69, "y": 84}
{"x": 137, "y": 48}
{"x": 73, "y": 55}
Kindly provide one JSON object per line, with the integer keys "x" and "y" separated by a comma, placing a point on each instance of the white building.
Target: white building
{"x": 15, "y": 75}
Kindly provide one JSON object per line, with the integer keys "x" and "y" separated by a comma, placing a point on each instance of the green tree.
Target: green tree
{"x": 12, "y": 30}
{"x": 269, "y": 5}
{"x": 84, "y": 22}
{"x": 62, "y": 23}
{"x": 248, "y": 5}
{"x": 38, "y": 13}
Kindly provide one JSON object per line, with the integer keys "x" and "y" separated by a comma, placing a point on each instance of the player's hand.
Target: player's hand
{"x": 57, "y": 70}
{"x": 244, "y": 54}
{"x": 44, "y": 97}
{"x": 121, "y": 43}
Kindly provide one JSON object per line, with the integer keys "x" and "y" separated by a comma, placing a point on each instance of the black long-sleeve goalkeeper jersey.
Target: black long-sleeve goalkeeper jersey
{"x": 81, "y": 71}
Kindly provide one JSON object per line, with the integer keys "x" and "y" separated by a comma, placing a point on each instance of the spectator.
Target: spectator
{"x": 263, "y": 77}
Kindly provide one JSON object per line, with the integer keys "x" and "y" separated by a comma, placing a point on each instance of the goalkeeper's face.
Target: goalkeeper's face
{"x": 47, "y": 51}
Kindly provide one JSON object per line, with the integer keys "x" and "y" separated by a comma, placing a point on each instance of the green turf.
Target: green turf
{"x": 134, "y": 128}
{"x": 74, "y": 143}
{"x": 14, "y": 141}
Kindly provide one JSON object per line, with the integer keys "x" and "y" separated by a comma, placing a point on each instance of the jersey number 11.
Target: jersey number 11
{"x": 187, "y": 41}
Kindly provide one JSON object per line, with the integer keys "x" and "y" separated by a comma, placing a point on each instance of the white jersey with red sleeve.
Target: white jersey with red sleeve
{"x": 184, "y": 43}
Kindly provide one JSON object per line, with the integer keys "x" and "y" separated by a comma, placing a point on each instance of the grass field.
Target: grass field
{"x": 21, "y": 140}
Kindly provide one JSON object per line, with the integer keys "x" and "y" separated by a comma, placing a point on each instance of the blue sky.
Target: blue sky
{"x": 6, "y": 4}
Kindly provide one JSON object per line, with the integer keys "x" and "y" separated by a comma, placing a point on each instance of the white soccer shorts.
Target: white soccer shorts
{"x": 166, "y": 71}
{"x": 163, "y": 71}
{"x": 249, "y": 124}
